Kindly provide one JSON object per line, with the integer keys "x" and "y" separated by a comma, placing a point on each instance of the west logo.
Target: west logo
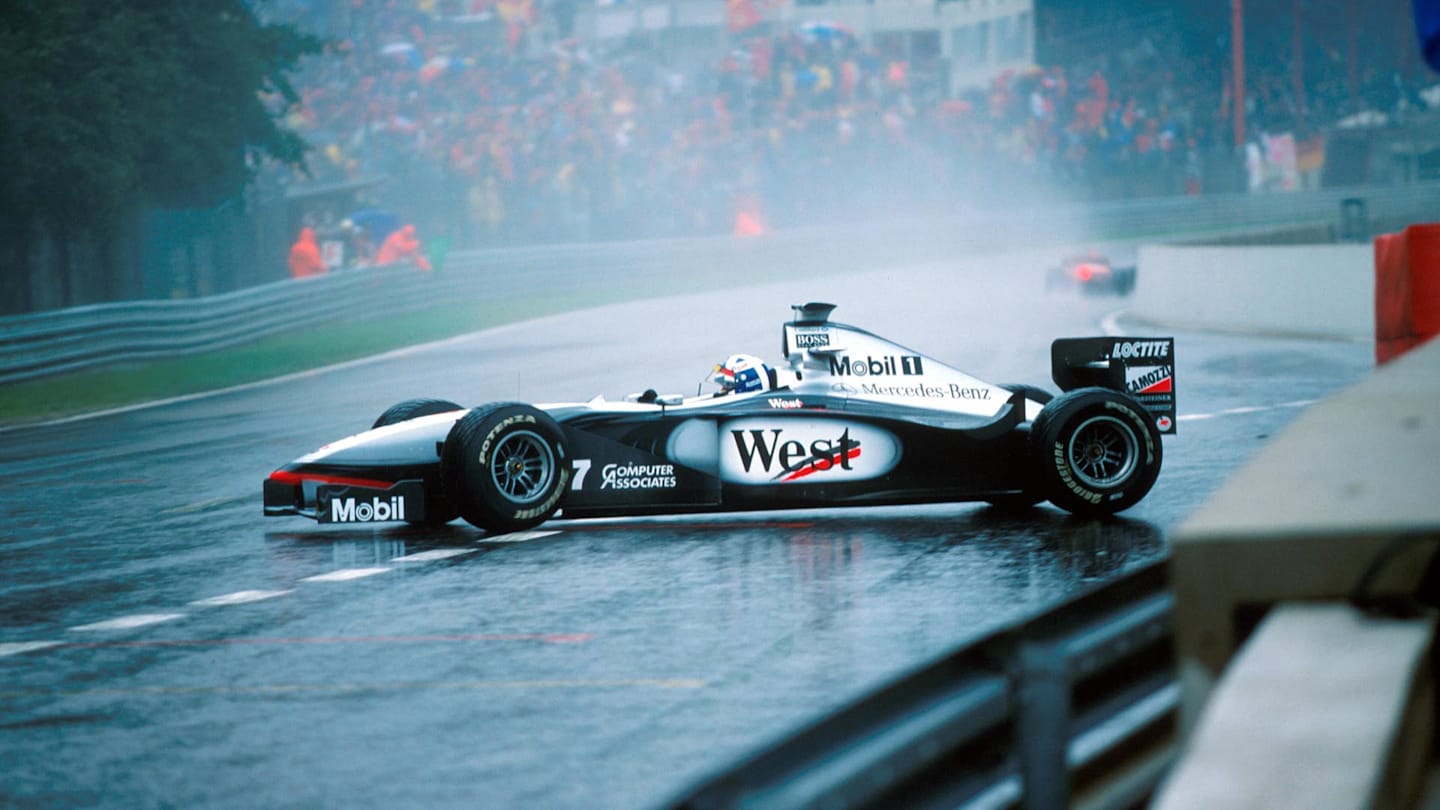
{"x": 908, "y": 364}
{"x": 795, "y": 460}
{"x": 349, "y": 510}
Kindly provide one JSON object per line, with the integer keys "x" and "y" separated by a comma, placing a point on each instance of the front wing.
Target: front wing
{"x": 331, "y": 503}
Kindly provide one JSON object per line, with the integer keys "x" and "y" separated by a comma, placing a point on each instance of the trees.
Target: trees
{"x": 113, "y": 106}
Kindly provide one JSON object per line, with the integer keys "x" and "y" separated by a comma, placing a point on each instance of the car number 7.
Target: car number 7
{"x": 582, "y": 466}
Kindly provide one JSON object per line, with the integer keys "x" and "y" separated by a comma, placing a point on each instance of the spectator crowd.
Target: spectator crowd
{"x": 486, "y": 127}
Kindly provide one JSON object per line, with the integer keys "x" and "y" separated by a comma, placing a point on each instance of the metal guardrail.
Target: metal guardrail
{"x": 1044, "y": 714}
{"x": 47, "y": 343}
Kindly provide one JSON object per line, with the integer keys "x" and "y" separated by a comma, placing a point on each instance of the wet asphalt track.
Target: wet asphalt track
{"x": 162, "y": 644}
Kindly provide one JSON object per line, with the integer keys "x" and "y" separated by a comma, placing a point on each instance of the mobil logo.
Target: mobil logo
{"x": 888, "y": 365}
{"x": 804, "y": 451}
{"x": 351, "y": 510}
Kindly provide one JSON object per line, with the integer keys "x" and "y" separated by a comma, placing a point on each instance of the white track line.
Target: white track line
{"x": 434, "y": 554}
{"x": 130, "y": 622}
{"x": 246, "y": 597}
{"x": 1195, "y": 417}
{"x": 517, "y": 537}
{"x": 239, "y": 598}
{"x": 1110, "y": 324}
{"x": 345, "y": 574}
{"x": 17, "y": 647}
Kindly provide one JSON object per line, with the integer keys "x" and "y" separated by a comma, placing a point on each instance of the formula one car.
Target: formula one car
{"x": 854, "y": 419}
{"x": 1092, "y": 274}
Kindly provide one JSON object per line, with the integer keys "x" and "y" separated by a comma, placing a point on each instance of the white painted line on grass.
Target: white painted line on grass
{"x": 435, "y": 554}
{"x": 238, "y": 598}
{"x": 17, "y": 647}
{"x": 345, "y": 574}
{"x": 130, "y": 622}
{"x": 517, "y": 537}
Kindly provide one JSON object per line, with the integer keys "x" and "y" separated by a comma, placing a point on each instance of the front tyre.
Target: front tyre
{"x": 438, "y": 510}
{"x": 413, "y": 408}
{"x": 1098, "y": 450}
{"x": 504, "y": 467}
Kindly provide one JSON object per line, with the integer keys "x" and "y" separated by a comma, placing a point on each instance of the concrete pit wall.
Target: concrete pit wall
{"x": 1325, "y": 291}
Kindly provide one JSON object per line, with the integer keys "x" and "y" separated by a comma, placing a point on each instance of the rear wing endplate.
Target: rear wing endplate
{"x": 1143, "y": 367}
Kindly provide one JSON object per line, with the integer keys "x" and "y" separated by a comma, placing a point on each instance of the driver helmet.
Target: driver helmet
{"x": 741, "y": 373}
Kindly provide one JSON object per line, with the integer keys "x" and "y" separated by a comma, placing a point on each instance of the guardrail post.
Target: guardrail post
{"x": 1042, "y": 723}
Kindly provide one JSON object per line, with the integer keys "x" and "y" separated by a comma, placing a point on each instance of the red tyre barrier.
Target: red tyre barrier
{"x": 1424, "y": 278}
{"x": 1407, "y": 290}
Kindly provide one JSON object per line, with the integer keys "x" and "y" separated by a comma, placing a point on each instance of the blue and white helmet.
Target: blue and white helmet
{"x": 741, "y": 373}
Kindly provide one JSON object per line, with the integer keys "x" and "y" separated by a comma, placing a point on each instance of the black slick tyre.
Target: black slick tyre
{"x": 438, "y": 510}
{"x": 1098, "y": 451}
{"x": 412, "y": 408}
{"x": 504, "y": 467}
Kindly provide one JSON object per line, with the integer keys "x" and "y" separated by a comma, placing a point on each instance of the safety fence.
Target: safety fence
{"x": 55, "y": 342}
{"x": 1074, "y": 708}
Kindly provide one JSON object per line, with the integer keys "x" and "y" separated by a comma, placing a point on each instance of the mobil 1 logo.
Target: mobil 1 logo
{"x": 361, "y": 505}
{"x": 906, "y": 365}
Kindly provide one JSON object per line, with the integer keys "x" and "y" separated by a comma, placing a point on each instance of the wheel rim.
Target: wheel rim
{"x": 522, "y": 467}
{"x": 1103, "y": 451}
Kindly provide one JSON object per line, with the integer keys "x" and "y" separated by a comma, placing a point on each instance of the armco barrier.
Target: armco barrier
{"x": 86, "y": 337}
{"x": 1030, "y": 715}
{"x": 1407, "y": 289}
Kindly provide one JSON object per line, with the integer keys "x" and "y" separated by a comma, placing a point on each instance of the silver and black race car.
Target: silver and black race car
{"x": 853, "y": 419}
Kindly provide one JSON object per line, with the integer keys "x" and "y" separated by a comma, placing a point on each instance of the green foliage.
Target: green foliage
{"x": 111, "y": 105}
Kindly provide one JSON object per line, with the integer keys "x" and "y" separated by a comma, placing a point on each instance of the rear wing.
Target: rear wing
{"x": 1144, "y": 368}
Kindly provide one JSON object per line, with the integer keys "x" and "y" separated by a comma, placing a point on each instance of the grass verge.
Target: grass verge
{"x": 89, "y": 391}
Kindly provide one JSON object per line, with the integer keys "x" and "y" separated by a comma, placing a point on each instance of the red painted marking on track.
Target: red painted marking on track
{"x": 548, "y": 638}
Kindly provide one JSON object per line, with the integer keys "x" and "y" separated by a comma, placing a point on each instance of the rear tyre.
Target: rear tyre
{"x": 504, "y": 467}
{"x": 412, "y": 408}
{"x": 1098, "y": 451}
